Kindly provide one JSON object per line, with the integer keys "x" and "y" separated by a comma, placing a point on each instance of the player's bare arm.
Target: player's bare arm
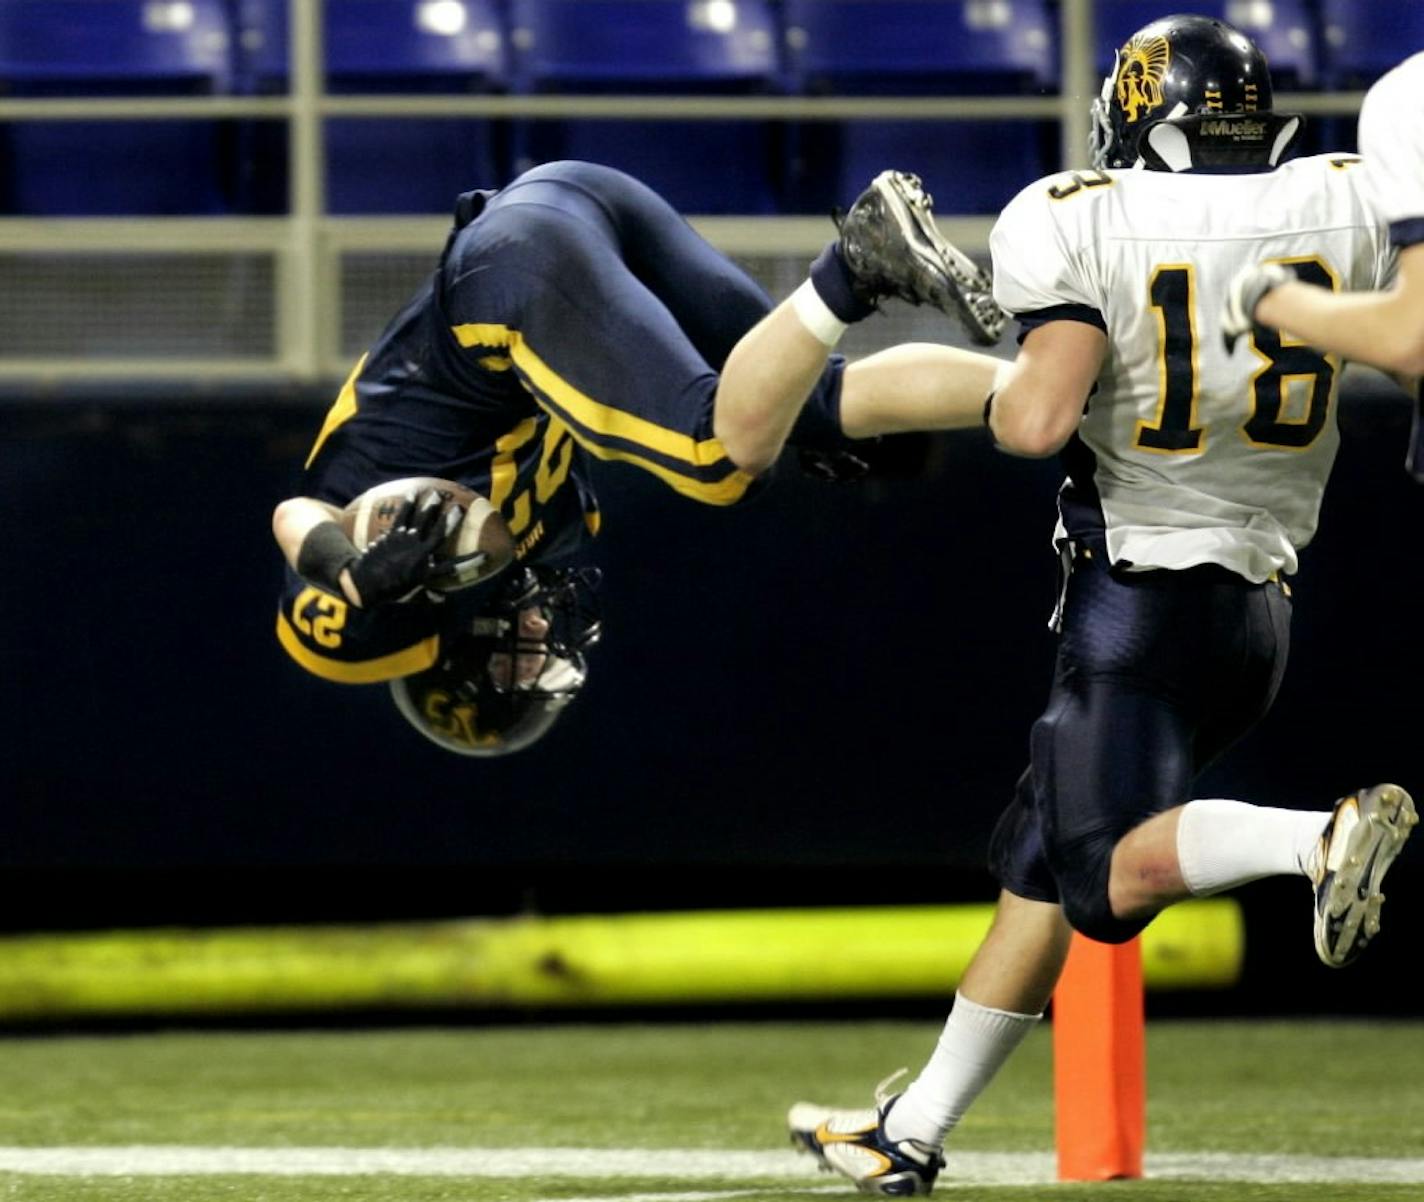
{"x": 1039, "y": 401}
{"x": 293, "y": 521}
{"x": 1384, "y": 329}
{"x": 925, "y": 386}
{"x": 917, "y": 386}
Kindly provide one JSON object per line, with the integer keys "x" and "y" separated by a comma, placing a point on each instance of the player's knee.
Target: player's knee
{"x": 1083, "y": 886}
{"x": 1097, "y": 921}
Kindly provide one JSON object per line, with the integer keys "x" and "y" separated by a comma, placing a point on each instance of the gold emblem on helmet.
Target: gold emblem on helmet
{"x": 1142, "y": 67}
{"x": 456, "y": 720}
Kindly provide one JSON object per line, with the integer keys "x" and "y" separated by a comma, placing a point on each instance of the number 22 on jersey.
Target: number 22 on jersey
{"x": 1289, "y": 369}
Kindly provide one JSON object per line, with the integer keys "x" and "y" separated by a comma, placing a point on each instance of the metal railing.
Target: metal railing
{"x": 204, "y": 279}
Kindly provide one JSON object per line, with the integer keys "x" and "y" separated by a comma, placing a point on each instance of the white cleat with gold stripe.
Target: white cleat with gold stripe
{"x": 853, "y": 1143}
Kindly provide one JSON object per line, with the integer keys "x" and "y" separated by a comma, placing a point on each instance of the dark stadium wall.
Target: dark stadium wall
{"x": 827, "y": 691}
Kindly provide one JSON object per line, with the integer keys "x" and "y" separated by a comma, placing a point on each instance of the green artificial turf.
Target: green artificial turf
{"x": 1297, "y": 1089}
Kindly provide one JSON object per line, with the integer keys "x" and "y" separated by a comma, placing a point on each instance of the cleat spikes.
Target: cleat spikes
{"x": 1362, "y": 838}
{"x": 894, "y": 248}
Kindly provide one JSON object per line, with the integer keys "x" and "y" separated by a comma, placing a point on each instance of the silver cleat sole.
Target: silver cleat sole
{"x": 965, "y": 287}
{"x": 1347, "y": 912}
{"x": 935, "y": 272}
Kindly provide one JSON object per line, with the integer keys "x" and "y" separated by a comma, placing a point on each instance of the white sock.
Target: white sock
{"x": 816, "y": 315}
{"x": 1222, "y": 844}
{"x": 973, "y": 1046}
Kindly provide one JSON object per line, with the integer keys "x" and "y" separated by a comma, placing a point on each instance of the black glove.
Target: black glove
{"x": 403, "y": 558}
{"x": 835, "y": 467}
{"x": 901, "y": 456}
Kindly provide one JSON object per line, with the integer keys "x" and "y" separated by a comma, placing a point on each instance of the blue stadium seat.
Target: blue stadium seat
{"x": 1364, "y": 40}
{"x": 629, "y": 47}
{"x": 921, "y": 48}
{"x": 1285, "y": 31}
{"x": 383, "y": 165}
{"x": 383, "y": 45}
{"x": 113, "y": 48}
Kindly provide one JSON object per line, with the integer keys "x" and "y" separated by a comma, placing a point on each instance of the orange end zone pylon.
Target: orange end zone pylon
{"x": 1100, "y": 1062}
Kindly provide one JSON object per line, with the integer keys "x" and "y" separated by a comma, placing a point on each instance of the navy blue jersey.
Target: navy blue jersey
{"x": 573, "y": 314}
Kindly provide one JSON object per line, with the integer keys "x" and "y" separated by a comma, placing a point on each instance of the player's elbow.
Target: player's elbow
{"x": 752, "y": 446}
{"x": 1032, "y": 445}
{"x": 1030, "y": 433}
{"x": 284, "y": 517}
{"x": 293, "y": 520}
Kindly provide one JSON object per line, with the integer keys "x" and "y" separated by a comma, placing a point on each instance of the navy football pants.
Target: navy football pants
{"x": 1157, "y": 674}
{"x": 624, "y": 316}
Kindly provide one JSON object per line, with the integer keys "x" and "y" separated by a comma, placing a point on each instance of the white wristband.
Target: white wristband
{"x": 816, "y": 316}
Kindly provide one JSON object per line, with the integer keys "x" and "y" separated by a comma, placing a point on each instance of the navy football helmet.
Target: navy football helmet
{"x": 503, "y": 681}
{"x": 1190, "y": 91}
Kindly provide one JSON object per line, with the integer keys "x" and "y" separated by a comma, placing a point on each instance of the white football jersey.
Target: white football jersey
{"x": 1392, "y": 141}
{"x": 1199, "y": 456}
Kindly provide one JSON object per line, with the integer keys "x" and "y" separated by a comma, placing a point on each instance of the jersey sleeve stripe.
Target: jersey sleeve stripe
{"x": 415, "y": 658}
{"x": 1040, "y": 317}
{"x": 1407, "y": 233}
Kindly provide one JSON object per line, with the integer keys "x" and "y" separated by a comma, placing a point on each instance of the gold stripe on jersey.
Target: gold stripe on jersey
{"x": 606, "y": 420}
{"x": 415, "y": 658}
{"x": 341, "y": 411}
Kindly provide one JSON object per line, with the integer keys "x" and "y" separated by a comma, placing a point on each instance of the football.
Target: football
{"x": 481, "y": 547}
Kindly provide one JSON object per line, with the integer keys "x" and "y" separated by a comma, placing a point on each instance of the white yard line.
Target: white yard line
{"x": 735, "y": 1168}
{"x": 710, "y": 1195}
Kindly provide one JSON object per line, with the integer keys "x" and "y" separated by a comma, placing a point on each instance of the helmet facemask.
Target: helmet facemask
{"x": 505, "y": 680}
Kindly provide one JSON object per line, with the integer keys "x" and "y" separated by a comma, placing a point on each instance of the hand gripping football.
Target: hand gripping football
{"x": 480, "y": 547}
